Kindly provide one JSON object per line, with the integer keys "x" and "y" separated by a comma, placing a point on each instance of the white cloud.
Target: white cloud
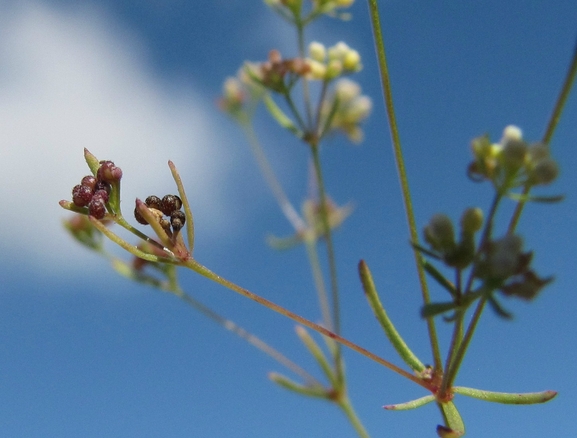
{"x": 69, "y": 80}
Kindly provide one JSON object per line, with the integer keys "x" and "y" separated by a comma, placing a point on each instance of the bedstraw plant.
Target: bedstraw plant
{"x": 311, "y": 94}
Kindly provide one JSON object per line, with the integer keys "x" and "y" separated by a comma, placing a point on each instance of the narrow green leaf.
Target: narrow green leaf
{"x": 439, "y": 278}
{"x": 329, "y": 120}
{"x": 280, "y": 116}
{"x": 127, "y": 271}
{"x": 92, "y": 161}
{"x": 425, "y": 251}
{"x": 394, "y": 337}
{"x": 317, "y": 353}
{"x": 311, "y": 391}
{"x": 434, "y": 309}
{"x": 282, "y": 243}
{"x": 452, "y": 419}
{"x": 498, "y": 309}
{"x": 528, "y": 398}
{"x": 413, "y": 404}
{"x": 531, "y": 198}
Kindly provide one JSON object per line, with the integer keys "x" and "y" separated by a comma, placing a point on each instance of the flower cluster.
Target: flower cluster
{"x": 347, "y": 108}
{"x": 170, "y": 206}
{"x": 291, "y": 9}
{"x": 329, "y": 64}
{"x": 277, "y": 74}
{"x": 511, "y": 162}
{"x": 94, "y": 191}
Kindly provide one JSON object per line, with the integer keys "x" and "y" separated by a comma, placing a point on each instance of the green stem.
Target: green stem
{"x": 174, "y": 288}
{"x": 319, "y": 282}
{"x": 300, "y": 25}
{"x": 271, "y": 179}
{"x": 330, "y": 252}
{"x": 551, "y": 125}
{"x": 347, "y": 408}
{"x": 460, "y": 342}
{"x": 451, "y": 373}
{"x": 388, "y": 97}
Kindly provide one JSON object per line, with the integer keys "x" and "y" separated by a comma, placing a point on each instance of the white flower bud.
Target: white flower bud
{"x": 359, "y": 109}
{"x": 334, "y": 69}
{"x": 317, "y": 51}
{"x": 318, "y": 70}
{"x": 347, "y": 90}
{"x": 338, "y": 51}
{"x": 511, "y": 132}
{"x": 352, "y": 60}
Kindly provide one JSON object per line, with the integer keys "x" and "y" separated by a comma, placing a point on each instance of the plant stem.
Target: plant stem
{"x": 347, "y": 407}
{"x": 204, "y": 271}
{"x": 551, "y": 125}
{"x": 313, "y": 256}
{"x": 388, "y": 98}
{"x": 330, "y": 253}
{"x": 271, "y": 179}
{"x": 174, "y": 288}
{"x": 460, "y": 342}
{"x": 306, "y": 92}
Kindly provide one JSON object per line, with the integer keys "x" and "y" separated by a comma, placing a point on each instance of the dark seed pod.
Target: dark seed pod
{"x": 165, "y": 224}
{"x": 97, "y": 208}
{"x": 81, "y": 195}
{"x": 102, "y": 185}
{"x": 88, "y": 181}
{"x": 109, "y": 172}
{"x": 153, "y": 202}
{"x": 170, "y": 203}
{"x": 139, "y": 217}
{"x": 177, "y": 220}
{"x": 102, "y": 194}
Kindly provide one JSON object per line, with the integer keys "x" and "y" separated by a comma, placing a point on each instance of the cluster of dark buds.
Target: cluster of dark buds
{"x": 94, "y": 191}
{"x": 169, "y": 206}
{"x": 440, "y": 236}
{"x": 271, "y": 74}
{"x": 503, "y": 265}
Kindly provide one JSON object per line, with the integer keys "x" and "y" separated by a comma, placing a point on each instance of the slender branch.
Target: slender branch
{"x": 551, "y": 125}
{"x": 247, "y": 336}
{"x": 271, "y": 179}
{"x": 204, "y": 271}
{"x": 347, "y": 408}
{"x": 319, "y": 282}
{"x": 388, "y": 97}
{"x": 460, "y": 342}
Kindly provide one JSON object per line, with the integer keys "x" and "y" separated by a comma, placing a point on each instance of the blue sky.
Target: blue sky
{"x": 84, "y": 352}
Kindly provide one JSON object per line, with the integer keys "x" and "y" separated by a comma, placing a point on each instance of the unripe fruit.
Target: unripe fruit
{"x": 170, "y": 203}
{"x": 81, "y": 195}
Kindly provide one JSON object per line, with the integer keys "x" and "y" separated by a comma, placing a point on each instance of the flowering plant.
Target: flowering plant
{"x": 312, "y": 96}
